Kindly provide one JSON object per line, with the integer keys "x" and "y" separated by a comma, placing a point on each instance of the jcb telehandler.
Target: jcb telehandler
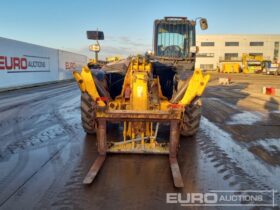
{"x": 144, "y": 92}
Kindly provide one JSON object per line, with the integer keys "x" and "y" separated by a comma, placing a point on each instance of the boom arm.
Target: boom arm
{"x": 86, "y": 84}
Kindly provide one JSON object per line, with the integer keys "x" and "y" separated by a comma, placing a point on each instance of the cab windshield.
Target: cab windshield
{"x": 174, "y": 40}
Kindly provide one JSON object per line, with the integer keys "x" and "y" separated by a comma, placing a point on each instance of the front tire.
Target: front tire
{"x": 88, "y": 116}
{"x": 191, "y": 119}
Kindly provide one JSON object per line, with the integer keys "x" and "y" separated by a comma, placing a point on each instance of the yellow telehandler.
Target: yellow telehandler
{"x": 142, "y": 92}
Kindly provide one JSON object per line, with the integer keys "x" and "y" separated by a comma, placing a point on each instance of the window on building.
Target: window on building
{"x": 255, "y": 54}
{"x": 231, "y": 56}
{"x": 207, "y": 44}
{"x": 276, "y": 50}
{"x": 256, "y": 43}
{"x": 205, "y": 55}
{"x": 231, "y": 44}
{"x": 207, "y": 66}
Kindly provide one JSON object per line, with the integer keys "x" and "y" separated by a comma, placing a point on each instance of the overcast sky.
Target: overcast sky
{"x": 127, "y": 25}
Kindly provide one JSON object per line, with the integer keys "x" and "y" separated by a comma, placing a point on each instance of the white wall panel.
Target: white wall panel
{"x": 24, "y": 64}
{"x": 68, "y": 62}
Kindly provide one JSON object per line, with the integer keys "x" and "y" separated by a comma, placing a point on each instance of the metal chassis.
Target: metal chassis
{"x": 173, "y": 119}
{"x": 171, "y": 113}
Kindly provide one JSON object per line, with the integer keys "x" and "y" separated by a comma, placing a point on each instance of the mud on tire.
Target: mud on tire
{"x": 88, "y": 114}
{"x": 191, "y": 119}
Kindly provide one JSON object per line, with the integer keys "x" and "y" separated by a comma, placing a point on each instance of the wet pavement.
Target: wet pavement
{"x": 44, "y": 153}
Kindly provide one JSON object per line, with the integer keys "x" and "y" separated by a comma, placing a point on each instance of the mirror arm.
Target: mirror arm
{"x": 198, "y": 18}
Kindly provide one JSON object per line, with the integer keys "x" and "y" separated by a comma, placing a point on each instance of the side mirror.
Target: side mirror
{"x": 95, "y": 35}
{"x": 203, "y": 24}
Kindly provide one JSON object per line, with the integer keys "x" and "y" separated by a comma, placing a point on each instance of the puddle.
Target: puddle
{"x": 245, "y": 118}
{"x": 239, "y": 153}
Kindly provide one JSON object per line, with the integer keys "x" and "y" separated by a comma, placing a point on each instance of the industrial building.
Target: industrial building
{"x": 215, "y": 48}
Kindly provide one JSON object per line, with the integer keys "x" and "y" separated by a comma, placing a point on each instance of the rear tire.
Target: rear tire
{"x": 191, "y": 120}
{"x": 88, "y": 118}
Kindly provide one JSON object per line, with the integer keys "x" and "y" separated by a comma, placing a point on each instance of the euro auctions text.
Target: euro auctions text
{"x": 26, "y": 62}
{"x": 224, "y": 198}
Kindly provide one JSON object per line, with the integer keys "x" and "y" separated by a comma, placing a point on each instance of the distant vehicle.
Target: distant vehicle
{"x": 113, "y": 58}
{"x": 271, "y": 68}
{"x": 252, "y": 64}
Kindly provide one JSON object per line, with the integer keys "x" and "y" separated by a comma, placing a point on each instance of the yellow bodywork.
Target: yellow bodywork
{"x": 141, "y": 97}
{"x": 196, "y": 87}
{"x": 86, "y": 84}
